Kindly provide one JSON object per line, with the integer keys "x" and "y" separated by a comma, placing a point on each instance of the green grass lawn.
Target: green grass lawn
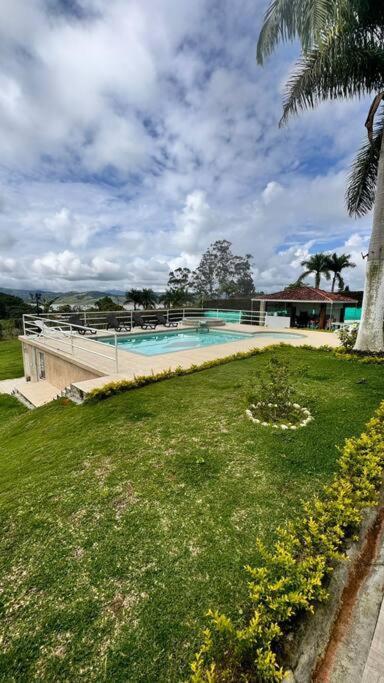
{"x": 124, "y": 521}
{"x": 11, "y": 362}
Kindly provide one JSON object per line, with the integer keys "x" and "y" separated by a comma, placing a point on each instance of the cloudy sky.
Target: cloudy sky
{"x": 133, "y": 133}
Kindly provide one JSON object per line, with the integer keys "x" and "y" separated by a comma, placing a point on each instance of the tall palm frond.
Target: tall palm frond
{"x": 361, "y": 188}
{"x": 346, "y": 65}
{"x": 286, "y": 20}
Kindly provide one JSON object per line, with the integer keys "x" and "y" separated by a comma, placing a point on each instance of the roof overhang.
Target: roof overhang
{"x": 304, "y": 301}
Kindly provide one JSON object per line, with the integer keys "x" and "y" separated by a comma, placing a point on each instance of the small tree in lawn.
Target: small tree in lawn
{"x": 271, "y": 400}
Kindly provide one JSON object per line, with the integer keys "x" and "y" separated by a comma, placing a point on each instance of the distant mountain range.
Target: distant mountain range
{"x": 71, "y": 298}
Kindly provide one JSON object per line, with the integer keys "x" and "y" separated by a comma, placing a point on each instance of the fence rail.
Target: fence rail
{"x": 98, "y": 319}
{"x": 61, "y": 333}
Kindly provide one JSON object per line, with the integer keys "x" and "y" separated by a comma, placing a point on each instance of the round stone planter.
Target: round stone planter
{"x": 306, "y": 416}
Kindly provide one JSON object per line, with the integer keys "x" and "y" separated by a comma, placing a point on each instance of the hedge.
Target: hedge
{"x": 120, "y": 386}
{"x": 123, "y": 385}
{"x": 294, "y": 572}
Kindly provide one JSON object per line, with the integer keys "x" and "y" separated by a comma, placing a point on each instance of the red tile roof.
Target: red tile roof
{"x": 310, "y": 294}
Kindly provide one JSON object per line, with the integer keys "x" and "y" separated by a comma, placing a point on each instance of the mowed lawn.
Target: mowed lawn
{"x": 11, "y": 362}
{"x": 124, "y": 521}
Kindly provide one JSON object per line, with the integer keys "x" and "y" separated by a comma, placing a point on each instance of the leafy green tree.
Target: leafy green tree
{"x": 177, "y": 293}
{"x": 13, "y": 306}
{"x": 336, "y": 264}
{"x": 342, "y": 43}
{"x": 106, "y": 303}
{"x": 317, "y": 265}
{"x": 220, "y": 273}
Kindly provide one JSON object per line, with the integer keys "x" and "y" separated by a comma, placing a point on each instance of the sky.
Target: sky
{"x": 133, "y": 134}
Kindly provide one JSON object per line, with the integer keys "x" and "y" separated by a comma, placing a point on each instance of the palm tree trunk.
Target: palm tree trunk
{"x": 333, "y": 283}
{"x": 370, "y": 336}
{"x": 317, "y": 280}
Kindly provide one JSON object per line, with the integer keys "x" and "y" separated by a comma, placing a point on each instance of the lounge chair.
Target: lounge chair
{"x": 47, "y": 331}
{"x": 79, "y": 326}
{"x": 117, "y": 325}
{"x": 146, "y": 322}
{"x": 163, "y": 320}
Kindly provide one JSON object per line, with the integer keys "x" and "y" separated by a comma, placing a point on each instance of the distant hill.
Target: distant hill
{"x": 67, "y": 298}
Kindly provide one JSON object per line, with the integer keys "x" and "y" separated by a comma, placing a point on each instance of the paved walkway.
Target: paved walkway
{"x": 359, "y": 654}
{"x": 33, "y": 394}
{"x": 374, "y": 667}
{"x": 7, "y": 386}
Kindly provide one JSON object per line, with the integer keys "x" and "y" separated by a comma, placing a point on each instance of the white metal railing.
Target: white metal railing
{"x": 68, "y": 335}
{"x": 60, "y": 328}
{"x": 98, "y": 319}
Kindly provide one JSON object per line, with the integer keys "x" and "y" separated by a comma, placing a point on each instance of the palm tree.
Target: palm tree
{"x": 36, "y": 298}
{"x": 148, "y": 298}
{"x": 342, "y": 57}
{"x": 134, "y": 296}
{"x": 337, "y": 263}
{"x": 316, "y": 264}
{"x": 47, "y": 304}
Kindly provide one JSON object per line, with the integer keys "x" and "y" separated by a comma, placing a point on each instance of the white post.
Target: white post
{"x": 116, "y": 355}
{"x": 85, "y": 318}
{"x": 71, "y": 336}
{"x": 24, "y": 332}
{"x": 131, "y": 321}
{"x": 262, "y": 313}
{"x": 183, "y": 313}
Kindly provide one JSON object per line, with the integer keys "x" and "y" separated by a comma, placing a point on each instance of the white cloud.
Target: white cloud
{"x": 137, "y": 134}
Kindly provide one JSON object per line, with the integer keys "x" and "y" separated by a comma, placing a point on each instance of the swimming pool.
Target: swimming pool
{"x": 155, "y": 343}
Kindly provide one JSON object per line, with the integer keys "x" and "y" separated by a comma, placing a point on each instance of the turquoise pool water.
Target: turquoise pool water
{"x": 155, "y": 343}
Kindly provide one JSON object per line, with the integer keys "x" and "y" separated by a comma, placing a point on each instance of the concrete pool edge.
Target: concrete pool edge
{"x": 124, "y": 339}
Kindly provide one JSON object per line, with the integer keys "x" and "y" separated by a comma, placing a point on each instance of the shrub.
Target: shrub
{"x": 293, "y": 572}
{"x": 271, "y": 400}
{"x": 348, "y": 336}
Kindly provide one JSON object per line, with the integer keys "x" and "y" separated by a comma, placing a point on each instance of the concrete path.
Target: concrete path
{"x": 374, "y": 667}
{"x": 7, "y": 386}
{"x": 32, "y": 394}
{"x": 359, "y": 655}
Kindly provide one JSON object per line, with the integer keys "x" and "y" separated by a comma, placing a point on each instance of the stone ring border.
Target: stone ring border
{"x": 307, "y": 417}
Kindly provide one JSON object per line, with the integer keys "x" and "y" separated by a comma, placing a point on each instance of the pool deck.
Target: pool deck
{"x": 132, "y": 364}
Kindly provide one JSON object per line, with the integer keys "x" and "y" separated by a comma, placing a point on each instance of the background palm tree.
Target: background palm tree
{"x": 133, "y": 296}
{"x": 337, "y": 263}
{"x": 342, "y": 56}
{"x": 317, "y": 265}
{"x": 148, "y": 298}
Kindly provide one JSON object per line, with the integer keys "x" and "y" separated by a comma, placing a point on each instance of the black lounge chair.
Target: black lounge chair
{"x": 117, "y": 325}
{"x": 146, "y": 322}
{"x": 163, "y": 320}
{"x": 81, "y": 329}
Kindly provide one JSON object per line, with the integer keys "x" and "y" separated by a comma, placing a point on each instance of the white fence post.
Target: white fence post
{"x": 116, "y": 354}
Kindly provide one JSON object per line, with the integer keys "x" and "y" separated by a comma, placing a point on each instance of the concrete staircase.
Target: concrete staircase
{"x": 35, "y": 394}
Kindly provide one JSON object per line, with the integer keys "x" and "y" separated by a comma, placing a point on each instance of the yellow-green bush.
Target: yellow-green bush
{"x": 293, "y": 573}
{"x": 120, "y": 386}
